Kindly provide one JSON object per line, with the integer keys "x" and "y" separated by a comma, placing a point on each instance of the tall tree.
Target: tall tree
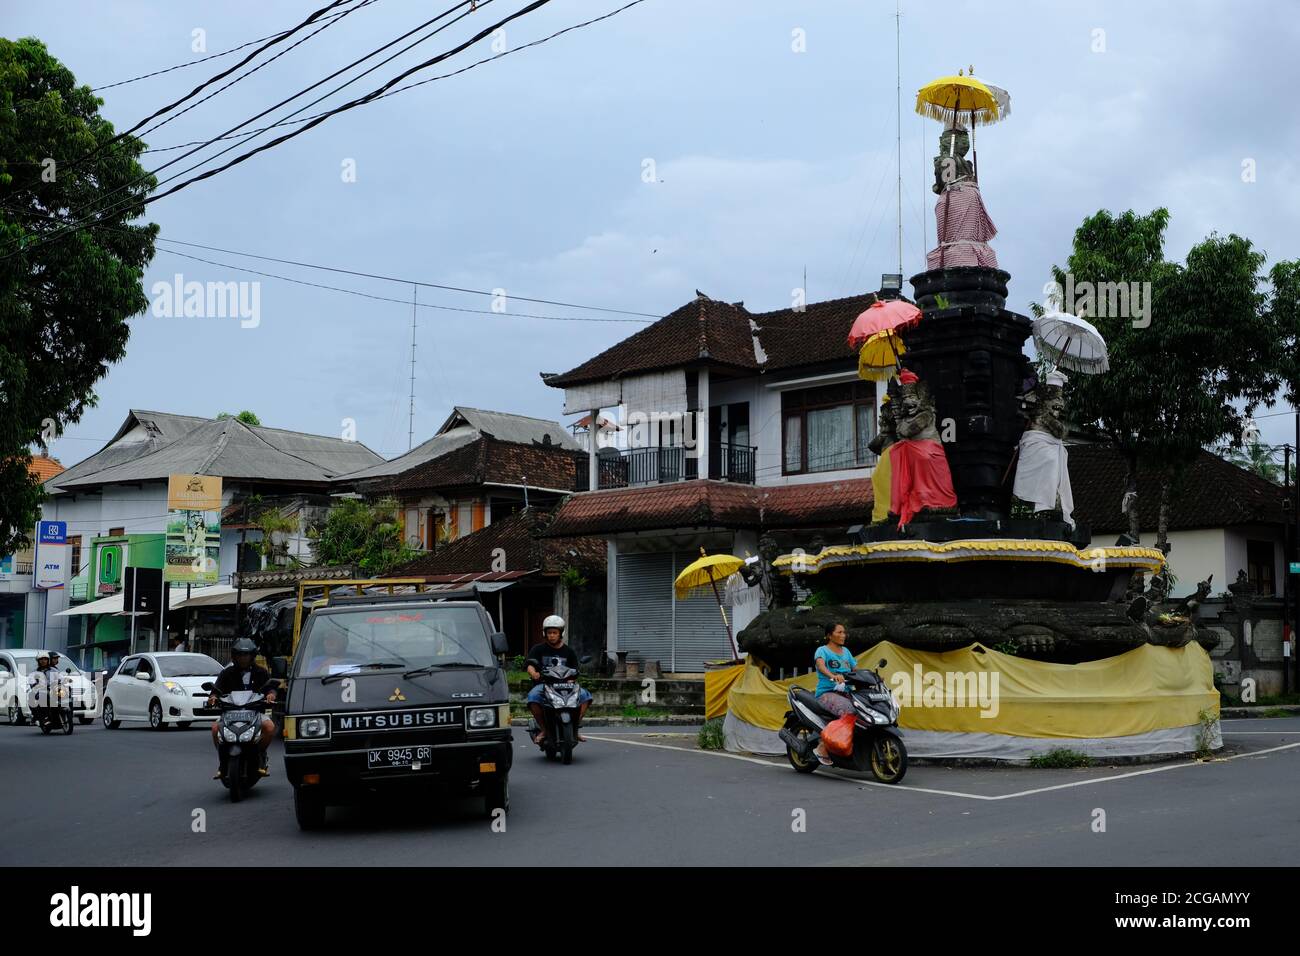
{"x": 1186, "y": 373}
{"x": 65, "y": 295}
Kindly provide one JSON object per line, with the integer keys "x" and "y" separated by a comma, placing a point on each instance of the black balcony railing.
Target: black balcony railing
{"x": 633, "y": 467}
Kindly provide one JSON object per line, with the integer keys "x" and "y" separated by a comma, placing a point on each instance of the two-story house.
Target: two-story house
{"x": 735, "y": 425}
{"x": 479, "y": 466}
{"x": 20, "y": 603}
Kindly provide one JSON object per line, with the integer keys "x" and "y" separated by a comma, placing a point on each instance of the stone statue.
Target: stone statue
{"x": 885, "y": 436}
{"x": 1042, "y": 463}
{"x": 951, "y": 165}
{"x": 775, "y": 587}
{"x": 919, "y": 475}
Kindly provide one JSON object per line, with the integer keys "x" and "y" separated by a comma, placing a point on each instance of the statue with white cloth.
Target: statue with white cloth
{"x": 1043, "y": 471}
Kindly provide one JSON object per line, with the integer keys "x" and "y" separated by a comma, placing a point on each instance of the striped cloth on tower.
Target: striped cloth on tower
{"x": 964, "y": 229}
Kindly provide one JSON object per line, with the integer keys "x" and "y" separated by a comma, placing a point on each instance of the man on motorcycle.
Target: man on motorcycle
{"x": 550, "y": 652}
{"x": 42, "y": 685}
{"x": 243, "y": 674}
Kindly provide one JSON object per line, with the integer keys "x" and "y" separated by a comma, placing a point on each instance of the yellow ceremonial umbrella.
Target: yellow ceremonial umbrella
{"x": 706, "y": 571}
{"x": 948, "y": 97}
{"x": 879, "y": 356}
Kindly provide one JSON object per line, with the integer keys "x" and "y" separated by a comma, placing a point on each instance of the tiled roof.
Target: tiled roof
{"x": 714, "y": 504}
{"x": 488, "y": 460}
{"x": 518, "y": 540}
{"x": 1212, "y": 493}
{"x": 43, "y": 468}
{"x": 719, "y": 333}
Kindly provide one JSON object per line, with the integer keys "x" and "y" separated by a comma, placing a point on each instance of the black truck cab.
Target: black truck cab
{"x": 401, "y": 691}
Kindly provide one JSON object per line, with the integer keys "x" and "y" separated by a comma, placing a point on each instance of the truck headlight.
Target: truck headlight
{"x": 313, "y": 727}
{"x": 480, "y": 718}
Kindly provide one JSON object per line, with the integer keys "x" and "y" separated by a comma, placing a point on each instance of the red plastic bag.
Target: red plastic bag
{"x": 838, "y": 736}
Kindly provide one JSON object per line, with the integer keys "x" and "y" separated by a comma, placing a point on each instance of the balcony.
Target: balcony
{"x": 635, "y": 467}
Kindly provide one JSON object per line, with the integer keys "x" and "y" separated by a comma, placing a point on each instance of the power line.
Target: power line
{"x": 244, "y": 76}
{"x": 115, "y": 208}
{"x": 409, "y": 86}
{"x": 382, "y": 298}
{"x": 213, "y": 56}
{"x": 403, "y": 281}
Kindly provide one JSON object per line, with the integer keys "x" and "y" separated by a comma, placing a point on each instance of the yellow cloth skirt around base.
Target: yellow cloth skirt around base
{"x": 880, "y": 488}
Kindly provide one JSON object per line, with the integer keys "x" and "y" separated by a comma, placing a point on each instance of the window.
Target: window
{"x": 116, "y": 532}
{"x": 144, "y": 667}
{"x": 828, "y": 428}
{"x": 127, "y": 668}
{"x": 76, "y": 554}
{"x": 1259, "y": 566}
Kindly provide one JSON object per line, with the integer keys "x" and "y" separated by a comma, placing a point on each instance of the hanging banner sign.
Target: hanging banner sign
{"x": 193, "y": 541}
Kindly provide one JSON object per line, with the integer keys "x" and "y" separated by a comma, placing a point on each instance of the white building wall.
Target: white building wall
{"x": 1194, "y": 556}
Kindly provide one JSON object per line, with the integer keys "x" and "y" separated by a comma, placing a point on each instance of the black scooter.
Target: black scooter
{"x": 877, "y": 745}
{"x": 559, "y": 712}
{"x": 239, "y": 733}
{"x": 55, "y": 710}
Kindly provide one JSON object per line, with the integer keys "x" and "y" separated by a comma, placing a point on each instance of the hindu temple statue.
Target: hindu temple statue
{"x": 951, "y": 165}
{"x": 1042, "y": 466}
{"x": 919, "y": 474}
{"x": 885, "y": 437}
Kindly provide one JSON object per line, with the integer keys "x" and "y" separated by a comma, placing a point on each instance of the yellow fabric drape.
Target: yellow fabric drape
{"x": 880, "y": 488}
{"x": 717, "y": 685}
{"x": 1148, "y": 688}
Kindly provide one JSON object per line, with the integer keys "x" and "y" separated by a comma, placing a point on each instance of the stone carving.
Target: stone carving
{"x": 1042, "y": 463}
{"x": 775, "y": 587}
{"x": 919, "y": 476}
{"x": 951, "y": 165}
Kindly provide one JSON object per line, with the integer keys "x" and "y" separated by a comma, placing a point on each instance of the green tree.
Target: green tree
{"x": 1257, "y": 458}
{"x": 367, "y": 535}
{"x": 1212, "y": 352}
{"x": 65, "y": 294}
{"x": 247, "y": 417}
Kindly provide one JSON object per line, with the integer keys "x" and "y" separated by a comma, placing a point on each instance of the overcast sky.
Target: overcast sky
{"x": 527, "y": 174}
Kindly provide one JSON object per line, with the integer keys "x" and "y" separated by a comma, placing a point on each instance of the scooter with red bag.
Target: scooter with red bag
{"x": 866, "y": 741}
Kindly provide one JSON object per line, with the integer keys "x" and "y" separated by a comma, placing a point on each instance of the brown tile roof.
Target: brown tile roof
{"x": 520, "y": 537}
{"x": 1212, "y": 493}
{"x": 44, "y": 468}
{"x": 490, "y": 460}
{"x": 703, "y": 503}
{"x": 719, "y": 333}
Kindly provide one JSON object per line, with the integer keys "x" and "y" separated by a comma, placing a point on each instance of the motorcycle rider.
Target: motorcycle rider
{"x": 41, "y": 683}
{"x": 552, "y": 651}
{"x": 833, "y": 660}
{"x": 243, "y": 674}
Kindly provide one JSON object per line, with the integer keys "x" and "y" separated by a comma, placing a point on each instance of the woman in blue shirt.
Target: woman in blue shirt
{"x": 833, "y": 661}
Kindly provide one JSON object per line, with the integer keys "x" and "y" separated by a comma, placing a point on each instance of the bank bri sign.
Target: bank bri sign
{"x": 51, "y": 554}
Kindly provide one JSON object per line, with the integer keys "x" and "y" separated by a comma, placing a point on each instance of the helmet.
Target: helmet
{"x": 244, "y": 645}
{"x": 44, "y": 655}
{"x": 553, "y": 620}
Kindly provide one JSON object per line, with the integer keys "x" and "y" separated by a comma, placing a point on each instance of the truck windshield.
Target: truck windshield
{"x": 358, "y": 640}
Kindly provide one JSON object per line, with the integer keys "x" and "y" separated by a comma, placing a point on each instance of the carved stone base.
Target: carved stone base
{"x": 1059, "y": 632}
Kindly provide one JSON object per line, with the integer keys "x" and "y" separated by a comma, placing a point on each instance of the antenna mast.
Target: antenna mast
{"x": 898, "y": 92}
{"x": 410, "y": 418}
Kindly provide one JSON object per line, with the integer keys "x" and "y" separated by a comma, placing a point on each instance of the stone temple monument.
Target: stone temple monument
{"x": 978, "y": 543}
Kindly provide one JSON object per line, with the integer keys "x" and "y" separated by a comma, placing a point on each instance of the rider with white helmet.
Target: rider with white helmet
{"x": 543, "y": 655}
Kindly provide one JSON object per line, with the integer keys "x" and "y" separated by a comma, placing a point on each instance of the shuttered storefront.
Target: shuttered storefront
{"x": 652, "y": 624}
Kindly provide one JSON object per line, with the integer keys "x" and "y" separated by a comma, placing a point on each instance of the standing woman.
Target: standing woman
{"x": 833, "y": 661}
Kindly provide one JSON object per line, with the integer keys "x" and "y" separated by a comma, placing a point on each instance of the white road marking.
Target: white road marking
{"x": 951, "y": 793}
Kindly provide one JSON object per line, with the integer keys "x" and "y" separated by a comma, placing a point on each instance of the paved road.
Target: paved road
{"x": 638, "y": 796}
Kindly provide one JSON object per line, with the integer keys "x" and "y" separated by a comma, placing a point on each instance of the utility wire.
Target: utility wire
{"x": 113, "y": 209}
{"x": 405, "y": 281}
{"x": 382, "y": 298}
{"x": 212, "y": 56}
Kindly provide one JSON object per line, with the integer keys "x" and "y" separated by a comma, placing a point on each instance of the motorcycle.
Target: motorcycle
{"x": 239, "y": 731}
{"x": 560, "y": 712}
{"x": 54, "y": 708}
{"x": 877, "y": 745}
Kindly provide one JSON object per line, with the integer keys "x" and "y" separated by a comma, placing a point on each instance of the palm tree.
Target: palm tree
{"x": 1258, "y": 459}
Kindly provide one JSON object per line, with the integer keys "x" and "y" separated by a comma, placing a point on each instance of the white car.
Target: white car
{"x": 162, "y": 688}
{"x": 17, "y": 664}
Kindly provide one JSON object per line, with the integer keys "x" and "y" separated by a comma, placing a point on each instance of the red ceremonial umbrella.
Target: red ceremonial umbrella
{"x": 888, "y": 315}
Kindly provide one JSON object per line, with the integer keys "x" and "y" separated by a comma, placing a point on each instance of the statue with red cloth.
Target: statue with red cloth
{"x": 919, "y": 474}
